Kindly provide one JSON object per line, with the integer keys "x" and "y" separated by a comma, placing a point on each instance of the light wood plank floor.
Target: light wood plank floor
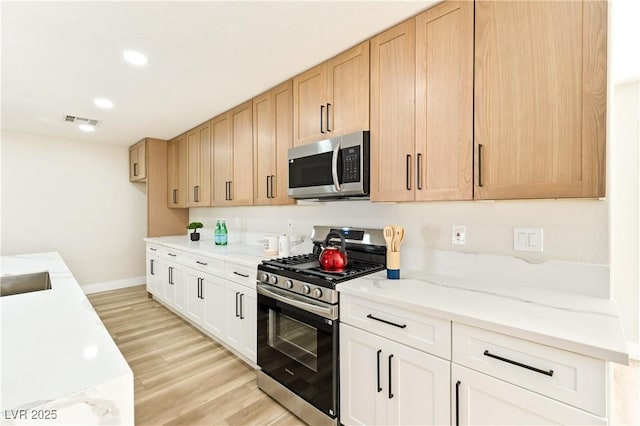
{"x": 182, "y": 377}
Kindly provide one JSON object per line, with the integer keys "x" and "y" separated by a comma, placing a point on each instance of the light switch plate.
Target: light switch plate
{"x": 458, "y": 234}
{"x": 527, "y": 239}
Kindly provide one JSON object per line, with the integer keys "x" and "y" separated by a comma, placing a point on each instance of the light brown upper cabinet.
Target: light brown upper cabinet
{"x": 137, "y": 162}
{"x": 540, "y": 96}
{"x": 422, "y": 107}
{"x": 161, "y": 220}
{"x": 332, "y": 99}
{"x": 232, "y": 136}
{"x": 199, "y": 166}
{"x": 272, "y": 137}
{"x": 177, "y": 163}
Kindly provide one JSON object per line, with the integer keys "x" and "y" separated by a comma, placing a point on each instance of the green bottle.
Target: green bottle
{"x": 218, "y": 233}
{"x": 223, "y": 233}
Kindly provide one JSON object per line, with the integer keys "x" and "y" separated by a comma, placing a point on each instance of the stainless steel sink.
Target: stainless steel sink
{"x": 17, "y": 284}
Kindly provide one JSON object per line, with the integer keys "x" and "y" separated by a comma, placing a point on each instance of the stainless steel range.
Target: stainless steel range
{"x": 298, "y": 322}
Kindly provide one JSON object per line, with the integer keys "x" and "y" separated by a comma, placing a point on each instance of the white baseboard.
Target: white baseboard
{"x": 113, "y": 285}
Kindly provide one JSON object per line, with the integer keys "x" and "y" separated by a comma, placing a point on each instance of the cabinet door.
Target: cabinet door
{"x": 169, "y": 293}
{"x": 309, "y": 109}
{"x": 249, "y": 305}
{"x": 241, "y": 186}
{"x": 392, "y": 113}
{"x": 483, "y": 400}
{"x": 183, "y": 164}
{"x": 348, "y": 92}
{"x": 222, "y": 158}
{"x": 199, "y": 166}
{"x": 540, "y": 97}
{"x": 419, "y": 383}
{"x": 153, "y": 274}
{"x": 179, "y": 288}
{"x": 272, "y": 137}
{"x": 363, "y": 384}
{"x": 133, "y": 163}
{"x": 234, "y": 333}
{"x": 142, "y": 161}
{"x": 444, "y": 102}
{"x": 137, "y": 162}
{"x": 194, "y": 305}
{"x": 215, "y": 305}
{"x": 172, "y": 173}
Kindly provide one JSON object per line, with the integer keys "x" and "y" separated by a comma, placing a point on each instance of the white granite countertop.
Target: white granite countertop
{"x": 578, "y": 323}
{"x": 54, "y": 345}
{"x": 249, "y": 253}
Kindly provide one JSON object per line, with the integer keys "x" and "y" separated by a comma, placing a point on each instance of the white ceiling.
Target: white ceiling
{"x": 204, "y": 58}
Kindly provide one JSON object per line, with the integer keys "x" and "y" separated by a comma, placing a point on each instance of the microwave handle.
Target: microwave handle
{"x": 334, "y": 166}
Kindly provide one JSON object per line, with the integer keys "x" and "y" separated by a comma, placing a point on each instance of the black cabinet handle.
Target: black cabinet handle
{"x": 230, "y": 191}
{"x": 135, "y": 169}
{"x": 273, "y": 192}
{"x": 328, "y": 105}
{"x": 171, "y": 275}
{"x": 519, "y": 364}
{"x": 241, "y": 305}
{"x": 479, "y": 164}
{"x": 198, "y": 287}
{"x": 242, "y": 275}
{"x": 196, "y": 193}
{"x": 408, "y": 172}
{"x": 175, "y": 196}
{"x": 171, "y": 254}
{"x": 419, "y": 171}
{"x": 458, "y": 403}
{"x": 387, "y": 322}
{"x": 237, "y": 294}
{"x": 201, "y": 263}
{"x": 321, "y": 114}
{"x": 151, "y": 267}
{"x": 152, "y": 249}
{"x": 390, "y": 393}
{"x": 378, "y": 364}
{"x": 268, "y": 192}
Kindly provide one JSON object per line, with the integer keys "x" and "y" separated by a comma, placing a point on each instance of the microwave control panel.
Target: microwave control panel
{"x": 350, "y": 164}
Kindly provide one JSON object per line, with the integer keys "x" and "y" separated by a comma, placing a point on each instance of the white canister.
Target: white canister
{"x": 284, "y": 245}
{"x": 270, "y": 245}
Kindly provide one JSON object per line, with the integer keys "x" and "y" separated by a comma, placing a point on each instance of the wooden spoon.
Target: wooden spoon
{"x": 398, "y": 238}
{"x": 388, "y": 237}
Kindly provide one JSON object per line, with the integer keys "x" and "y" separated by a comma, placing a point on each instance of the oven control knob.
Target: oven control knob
{"x": 288, "y": 284}
{"x": 273, "y": 279}
{"x": 264, "y": 277}
{"x": 306, "y": 289}
{"x": 317, "y": 293}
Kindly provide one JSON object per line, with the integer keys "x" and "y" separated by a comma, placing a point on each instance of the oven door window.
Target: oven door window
{"x": 294, "y": 339}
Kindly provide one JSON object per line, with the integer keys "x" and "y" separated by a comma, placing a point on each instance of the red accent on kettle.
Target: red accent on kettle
{"x": 333, "y": 259}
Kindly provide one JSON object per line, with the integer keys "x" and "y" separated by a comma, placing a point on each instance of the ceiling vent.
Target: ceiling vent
{"x": 80, "y": 120}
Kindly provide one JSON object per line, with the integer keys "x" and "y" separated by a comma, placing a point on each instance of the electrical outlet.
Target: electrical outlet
{"x": 527, "y": 239}
{"x": 290, "y": 226}
{"x": 458, "y": 234}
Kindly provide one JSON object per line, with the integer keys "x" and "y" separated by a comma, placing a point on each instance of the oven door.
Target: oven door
{"x": 299, "y": 349}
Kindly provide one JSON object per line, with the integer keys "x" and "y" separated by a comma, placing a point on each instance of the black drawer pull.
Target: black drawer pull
{"x": 201, "y": 263}
{"x": 378, "y": 359}
{"x": 387, "y": 322}
{"x": 458, "y": 403}
{"x": 242, "y": 275}
{"x": 390, "y": 392}
{"x": 152, "y": 249}
{"x": 519, "y": 364}
{"x": 171, "y": 254}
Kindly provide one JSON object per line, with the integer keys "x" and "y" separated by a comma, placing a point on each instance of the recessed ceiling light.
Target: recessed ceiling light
{"x": 135, "y": 58}
{"x": 103, "y": 103}
{"x": 87, "y": 127}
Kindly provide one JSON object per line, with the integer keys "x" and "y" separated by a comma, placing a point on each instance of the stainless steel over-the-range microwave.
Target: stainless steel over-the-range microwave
{"x": 330, "y": 169}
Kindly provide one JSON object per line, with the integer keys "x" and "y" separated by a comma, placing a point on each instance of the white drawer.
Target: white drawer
{"x": 241, "y": 274}
{"x": 423, "y": 332}
{"x": 205, "y": 264}
{"x": 153, "y": 249}
{"x": 572, "y": 378}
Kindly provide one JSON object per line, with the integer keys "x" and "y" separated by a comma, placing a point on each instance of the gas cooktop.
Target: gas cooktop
{"x": 307, "y": 265}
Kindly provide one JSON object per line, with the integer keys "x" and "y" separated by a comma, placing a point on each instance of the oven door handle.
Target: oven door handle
{"x": 328, "y": 312}
{"x": 334, "y": 166}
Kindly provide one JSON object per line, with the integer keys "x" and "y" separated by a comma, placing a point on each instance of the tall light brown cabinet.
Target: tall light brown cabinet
{"x": 199, "y": 166}
{"x": 137, "y": 162}
{"x": 332, "y": 99}
{"x": 232, "y": 137}
{"x": 161, "y": 220}
{"x": 540, "y": 99}
{"x": 272, "y": 137}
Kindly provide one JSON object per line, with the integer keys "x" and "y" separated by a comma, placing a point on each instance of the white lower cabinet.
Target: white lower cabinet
{"x": 153, "y": 281}
{"x": 479, "y": 399}
{"x": 383, "y": 382}
{"x": 240, "y": 322}
{"x": 194, "y": 289}
{"x": 214, "y": 305}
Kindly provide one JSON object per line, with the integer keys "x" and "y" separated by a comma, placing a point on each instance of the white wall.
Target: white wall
{"x": 625, "y": 207}
{"x": 75, "y": 198}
